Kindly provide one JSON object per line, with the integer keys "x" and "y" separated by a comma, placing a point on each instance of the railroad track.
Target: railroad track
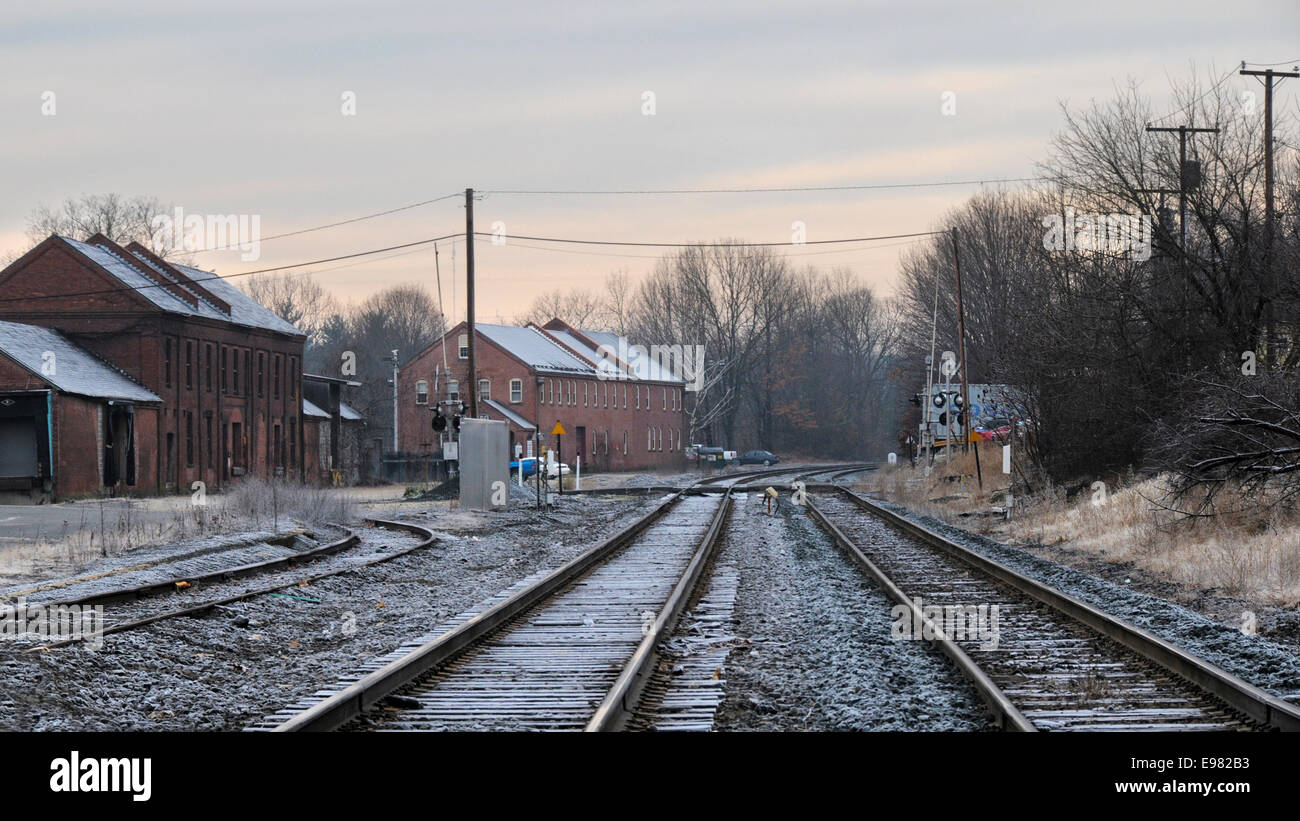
{"x": 1054, "y": 662}
{"x": 572, "y": 651}
{"x": 190, "y": 595}
{"x": 787, "y": 476}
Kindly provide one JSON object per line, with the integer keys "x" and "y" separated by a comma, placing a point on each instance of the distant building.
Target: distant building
{"x": 207, "y": 384}
{"x": 334, "y": 432}
{"x": 617, "y": 415}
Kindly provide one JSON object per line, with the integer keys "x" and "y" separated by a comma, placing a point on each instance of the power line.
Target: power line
{"x": 334, "y": 224}
{"x": 793, "y": 254}
{"x": 704, "y": 244}
{"x": 790, "y": 189}
{"x": 1282, "y": 63}
{"x": 232, "y": 276}
{"x": 1187, "y": 108}
{"x": 416, "y": 243}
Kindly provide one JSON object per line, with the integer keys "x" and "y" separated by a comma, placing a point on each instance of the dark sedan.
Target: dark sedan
{"x": 758, "y": 457}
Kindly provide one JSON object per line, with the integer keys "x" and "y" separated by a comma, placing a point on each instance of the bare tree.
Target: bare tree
{"x": 121, "y": 219}
{"x": 1232, "y": 431}
{"x": 578, "y": 307}
{"x": 295, "y": 298}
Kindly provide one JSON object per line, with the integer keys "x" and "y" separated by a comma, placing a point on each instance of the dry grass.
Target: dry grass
{"x": 1242, "y": 551}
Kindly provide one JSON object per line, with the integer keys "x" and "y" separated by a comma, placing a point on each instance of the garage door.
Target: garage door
{"x": 18, "y": 447}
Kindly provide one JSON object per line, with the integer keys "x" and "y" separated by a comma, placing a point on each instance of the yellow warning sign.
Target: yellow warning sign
{"x": 558, "y": 430}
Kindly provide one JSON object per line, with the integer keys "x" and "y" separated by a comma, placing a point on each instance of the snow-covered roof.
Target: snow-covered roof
{"x": 346, "y": 411}
{"x": 516, "y": 419}
{"x": 601, "y": 363}
{"x": 645, "y": 366}
{"x": 69, "y": 368}
{"x": 244, "y": 310}
{"x": 535, "y": 349}
{"x": 310, "y": 408}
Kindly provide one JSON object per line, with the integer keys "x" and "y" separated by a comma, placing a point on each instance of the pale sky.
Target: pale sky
{"x": 237, "y": 109}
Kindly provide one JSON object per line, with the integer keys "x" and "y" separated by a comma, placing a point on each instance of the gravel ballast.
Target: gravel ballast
{"x": 818, "y": 653}
{"x": 1255, "y": 659}
{"x": 246, "y": 660}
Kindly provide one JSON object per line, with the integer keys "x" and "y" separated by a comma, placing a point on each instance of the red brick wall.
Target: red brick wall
{"x": 131, "y": 333}
{"x": 77, "y": 446}
{"x": 599, "y": 419}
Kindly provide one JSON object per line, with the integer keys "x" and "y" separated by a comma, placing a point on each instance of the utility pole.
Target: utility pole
{"x": 469, "y": 297}
{"x": 1270, "y": 279}
{"x": 961, "y": 347}
{"x": 395, "y": 445}
{"x": 1185, "y": 182}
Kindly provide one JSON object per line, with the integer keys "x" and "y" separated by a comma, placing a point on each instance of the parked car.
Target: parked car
{"x": 994, "y": 429}
{"x": 530, "y": 467}
{"x": 759, "y": 457}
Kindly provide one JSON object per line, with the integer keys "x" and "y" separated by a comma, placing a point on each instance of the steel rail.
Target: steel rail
{"x": 624, "y": 696}
{"x": 1006, "y": 713}
{"x": 194, "y": 580}
{"x": 353, "y": 701}
{"x": 1242, "y": 696}
{"x": 201, "y": 607}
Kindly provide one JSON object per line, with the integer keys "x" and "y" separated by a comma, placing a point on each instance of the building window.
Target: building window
{"x": 638, "y": 397}
{"x": 189, "y": 439}
{"x": 189, "y": 364}
{"x": 208, "y": 441}
{"x": 248, "y": 374}
{"x": 207, "y": 368}
{"x": 625, "y": 443}
{"x": 167, "y": 362}
{"x": 234, "y": 382}
{"x": 606, "y": 392}
{"x": 293, "y": 442}
{"x": 261, "y": 374}
{"x": 516, "y": 391}
{"x": 275, "y": 376}
{"x": 453, "y": 390}
{"x": 421, "y": 392}
{"x": 665, "y": 407}
{"x": 624, "y": 397}
{"x": 293, "y": 378}
{"x": 606, "y": 441}
{"x": 484, "y": 389}
{"x": 463, "y": 345}
{"x": 225, "y": 364}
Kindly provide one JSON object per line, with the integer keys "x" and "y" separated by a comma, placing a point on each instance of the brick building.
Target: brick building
{"x": 333, "y": 431}
{"x": 618, "y": 415}
{"x": 66, "y": 415}
{"x": 223, "y": 374}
